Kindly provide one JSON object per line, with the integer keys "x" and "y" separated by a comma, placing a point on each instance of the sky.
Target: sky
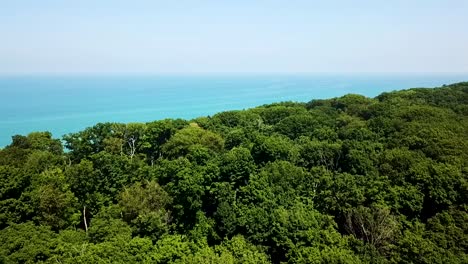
{"x": 233, "y": 36}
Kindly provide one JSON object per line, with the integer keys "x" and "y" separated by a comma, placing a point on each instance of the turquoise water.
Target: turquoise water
{"x": 62, "y": 104}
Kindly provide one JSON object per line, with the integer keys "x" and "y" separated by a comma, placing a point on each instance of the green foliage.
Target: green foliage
{"x": 89, "y": 141}
{"x": 38, "y": 141}
{"x": 271, "y": 148}
{"x": 107, "y": 226}
{"x": 144, "y": 207}
{"x": 237, "y": 165}
{"x": 234, "y": 251}
{"x": 18, "y": 151}
{"x": 315, "y": 153}
{"x": 26, "y": 243}
{"x": 376, "y": 226}
{"x": 343, "y": 180}
{"x": 297, "y": 125}
{"x": 335, "y": 255}
{"x": 180, "y": 144}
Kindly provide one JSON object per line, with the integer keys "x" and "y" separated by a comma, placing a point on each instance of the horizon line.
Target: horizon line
{"x": 155, "y": 74}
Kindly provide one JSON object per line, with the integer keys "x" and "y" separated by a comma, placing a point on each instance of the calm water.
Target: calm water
{"x": 69, "y": 104}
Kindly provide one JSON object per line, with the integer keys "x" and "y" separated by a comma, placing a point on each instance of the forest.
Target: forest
{"x": 343, "y": 180}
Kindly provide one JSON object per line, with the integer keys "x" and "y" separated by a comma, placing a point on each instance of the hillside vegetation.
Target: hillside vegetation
{"x": 344, "y": 180}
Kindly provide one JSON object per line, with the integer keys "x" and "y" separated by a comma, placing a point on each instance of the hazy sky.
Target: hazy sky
{"x": 176, "y": 36}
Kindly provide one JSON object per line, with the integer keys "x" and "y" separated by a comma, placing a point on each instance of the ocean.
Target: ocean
{"x": 64, "y": 104}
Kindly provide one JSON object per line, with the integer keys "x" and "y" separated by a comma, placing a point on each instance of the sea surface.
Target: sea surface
{"x": 64, "y": 104}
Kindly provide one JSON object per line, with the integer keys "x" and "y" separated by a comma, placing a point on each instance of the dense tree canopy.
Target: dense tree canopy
{"x": 344, "y": 180}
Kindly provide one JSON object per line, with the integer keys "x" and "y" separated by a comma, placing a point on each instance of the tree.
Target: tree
{"x": 26, "y": 243}
{"x": 273, "y": 148}
{"x": 179, "y": 145}
{"x": 158, "y": 133}
{"x": 375, "y": 226}
{"x": 53, "y": 201}
{"x": 297, "y": 125}
{"x": 144, "y": 206}
{"x": 237, "y": 165}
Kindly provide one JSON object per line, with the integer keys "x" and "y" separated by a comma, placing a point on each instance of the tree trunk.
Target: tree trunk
{"x": 84, "y": 219}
